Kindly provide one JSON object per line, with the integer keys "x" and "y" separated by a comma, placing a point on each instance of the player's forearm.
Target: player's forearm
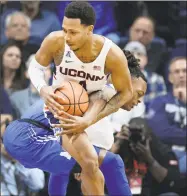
{"x": 97, "y": 103}
{"x": 116, "y": 102}
{"x": 37, "y": 74}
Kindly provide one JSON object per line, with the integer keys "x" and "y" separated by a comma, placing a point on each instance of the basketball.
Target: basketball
{"x": 73, "y": 97}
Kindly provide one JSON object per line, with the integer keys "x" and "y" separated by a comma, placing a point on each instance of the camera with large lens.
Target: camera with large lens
{"x": 136, "y": 134}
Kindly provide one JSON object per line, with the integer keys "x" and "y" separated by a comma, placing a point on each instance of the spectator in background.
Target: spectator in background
{"x": 106, "y": 22}
{"x": 42, "y": 22}
{"x": 23, "y": 99}
{"x": 143, "y": 30}
{"x": 18, "y": 180}
{"x": 17, "y": 29}
{"x": 155, "y": 83}
{"x": 167, "y": 114}
{"x": 12, "y": 68}
{"x": 162, "y": 175}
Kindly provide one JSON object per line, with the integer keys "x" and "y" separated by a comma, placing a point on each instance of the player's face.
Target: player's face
{"x": 12, "y": 58}
{"x": 75, "y": 33}
{"x": 139, "y": 88}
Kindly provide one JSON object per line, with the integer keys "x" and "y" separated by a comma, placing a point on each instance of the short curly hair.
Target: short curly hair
{"x": 133, "y": 65}
{"x": 82, "y": 10}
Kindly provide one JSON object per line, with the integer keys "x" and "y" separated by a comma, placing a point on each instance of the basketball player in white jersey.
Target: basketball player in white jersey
{"x": 87, "y": 58}
{"x": 101, "y": 133}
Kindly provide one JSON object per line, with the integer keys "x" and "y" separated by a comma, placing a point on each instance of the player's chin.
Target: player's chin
{"x": 74, "y": 48}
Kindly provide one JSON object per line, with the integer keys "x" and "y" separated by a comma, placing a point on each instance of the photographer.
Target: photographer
{"x": 138, "y": 143}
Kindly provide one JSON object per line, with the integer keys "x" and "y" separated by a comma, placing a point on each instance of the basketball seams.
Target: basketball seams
{"x": 73, "y": 96}
{"x": 79, "y": 100}
{"x": 68, "y": 99}
{"x": 65, "y": 104}
{"x": 72, "y": 93}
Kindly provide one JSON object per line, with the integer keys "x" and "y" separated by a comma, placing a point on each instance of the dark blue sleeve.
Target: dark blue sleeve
{"x": 159, "y": 122}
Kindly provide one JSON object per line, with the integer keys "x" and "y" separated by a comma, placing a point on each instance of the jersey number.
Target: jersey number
{"x": 83, "y": 84}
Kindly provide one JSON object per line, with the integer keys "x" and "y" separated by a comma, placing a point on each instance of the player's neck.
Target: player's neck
{"x": 86, "y": 49}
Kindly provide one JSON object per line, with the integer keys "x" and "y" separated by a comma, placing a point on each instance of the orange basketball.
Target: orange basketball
{"x": 73, "y": 97}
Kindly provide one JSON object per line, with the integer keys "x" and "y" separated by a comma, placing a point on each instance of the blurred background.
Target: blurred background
{"x": 155, "y": 32}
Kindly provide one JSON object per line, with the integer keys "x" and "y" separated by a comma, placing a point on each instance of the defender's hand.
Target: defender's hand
{"x": 71, "y": 124}
{"x": 47, "y": 93}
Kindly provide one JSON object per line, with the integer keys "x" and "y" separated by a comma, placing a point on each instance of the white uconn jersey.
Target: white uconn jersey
{"x": 90, "y": 75}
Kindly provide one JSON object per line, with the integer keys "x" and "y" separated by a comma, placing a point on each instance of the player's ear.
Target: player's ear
{"x": 90, "y": 28}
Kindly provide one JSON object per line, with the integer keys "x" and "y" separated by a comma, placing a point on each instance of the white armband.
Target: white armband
{"x": 36, "y": 74}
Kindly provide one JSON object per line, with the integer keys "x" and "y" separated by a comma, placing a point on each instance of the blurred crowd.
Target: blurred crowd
{"x": 151, "y": 138}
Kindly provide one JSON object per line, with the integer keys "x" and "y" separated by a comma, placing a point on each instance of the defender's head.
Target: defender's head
{"x": 78, "y": 24}
{"x": 139, "y": 82}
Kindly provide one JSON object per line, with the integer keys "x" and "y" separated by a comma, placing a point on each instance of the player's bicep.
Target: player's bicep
{"x": 44, "y": 55}
{"x": 117, "y": 65}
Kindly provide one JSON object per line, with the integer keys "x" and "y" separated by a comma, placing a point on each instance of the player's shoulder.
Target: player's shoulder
{"x": 114, "y": 50}
{"x": 55, "y": 40}
{"x": 99, "y": 41}
{"x": 55, "y": 37}
{"x": 115, "y": 56}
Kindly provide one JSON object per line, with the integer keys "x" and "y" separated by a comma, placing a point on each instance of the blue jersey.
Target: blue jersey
{"x": 36, "y": 112}
{"x": 35, "y": 146}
